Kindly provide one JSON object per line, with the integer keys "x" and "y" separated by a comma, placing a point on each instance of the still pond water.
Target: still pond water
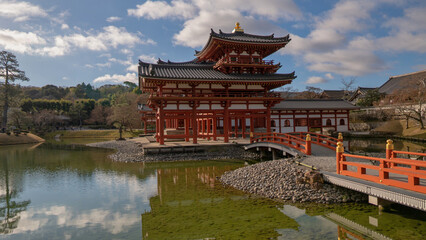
{"x": 69, "y": 191}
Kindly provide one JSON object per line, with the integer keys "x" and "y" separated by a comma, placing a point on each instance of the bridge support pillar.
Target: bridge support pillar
{"x": 381, "y": 203}
{"x": 275, "y": 154}
{"x": 262, "y": 153}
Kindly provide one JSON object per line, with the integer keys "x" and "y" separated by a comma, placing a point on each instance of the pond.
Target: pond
{"x": 69, "y": 191}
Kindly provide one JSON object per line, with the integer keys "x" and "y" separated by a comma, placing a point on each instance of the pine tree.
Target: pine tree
{"x": 9, "y": 71}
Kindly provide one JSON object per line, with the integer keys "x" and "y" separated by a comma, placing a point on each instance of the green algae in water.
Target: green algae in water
{"x": 192, "y": 204}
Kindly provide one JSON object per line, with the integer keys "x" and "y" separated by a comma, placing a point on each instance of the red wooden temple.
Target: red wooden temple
{"x": 225, "y": 91}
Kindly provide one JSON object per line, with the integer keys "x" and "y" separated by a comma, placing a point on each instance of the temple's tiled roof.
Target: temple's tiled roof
{"x": 317, "y": 104}
{"x": 203, "y": 71}
{"x": 188, "y": 63}
{"x": 251, "y": 38}
{"x": 333, "y": 94}
{"x": 400, "y": 82}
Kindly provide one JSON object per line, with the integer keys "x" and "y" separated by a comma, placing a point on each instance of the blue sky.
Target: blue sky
{"x": 68, "y": 42}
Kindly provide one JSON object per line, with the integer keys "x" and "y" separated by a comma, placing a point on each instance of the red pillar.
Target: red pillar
{"x": 157, "y": 127}
{"x": 226, "y": 124}
{"x": 268, "y": 120}
{"x": 208, "y": 128}
{"x": 243, "y": 121}
{"x": 251, "y": 125}
{"x": 187, "y": 127}
{"x": 161, "y": 125}
{"x": 236, "y": 127}
{"x": 214, "y": 129}
{"x": 194, "y": 125}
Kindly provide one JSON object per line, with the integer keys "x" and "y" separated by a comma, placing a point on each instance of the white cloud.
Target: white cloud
{"x": 113, "y": 19}
{"x": 347, "y": 62}
{"x": 161, "y": 9}
{"x": 201, "y": 15}
{"x": 196, "y": 31}
{"x": 148, "y": 58}
{"x": 116, "y": 78}
{"x": 64, "y": 26}
{"x": 20, "y": 11}
{"x": 331, "y": 47}
{"x": 315, "y": 80}
{"x": 21, "y": 42}
{"x": 329, "y": 76}
{"x": 408, "y": 32}
{"x": 110, "y": 37}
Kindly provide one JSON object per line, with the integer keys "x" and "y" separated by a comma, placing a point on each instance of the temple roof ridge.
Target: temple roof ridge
{"x": 222, "y": 34}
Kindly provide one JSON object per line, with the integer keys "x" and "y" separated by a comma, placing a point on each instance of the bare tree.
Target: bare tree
{"x": 311, "y": 93}
{"x": 410, "y": 101}
{"x": 9, "y": 70}
{"x": 348, "y": 87}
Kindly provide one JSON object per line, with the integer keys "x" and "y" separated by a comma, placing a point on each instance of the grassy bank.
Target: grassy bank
{"x": 107, "y": 134}
{"x": 398, "y": 127}
{"x": 13, "y": 139}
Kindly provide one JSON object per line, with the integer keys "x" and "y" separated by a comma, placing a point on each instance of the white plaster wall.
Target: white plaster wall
{"x": 301, "y": 129}
{"x": 314, "y": 115}
{"x": 286, "y": 116}
{"x": 203, "y": 107}
{"x": 238, "y": 106}
{"x": 184, "y": 107}
{"x": 254, "y": 87}
{"x": 301, "y": 116}
{"x": 256, "y": 106}
{"x": 171, "y": 107}
{"x": 247, "y": 122}
{"x": 216, "y": 106}
{"x": 342, "y": 115}
{"x": 328, "y": 115}
{"x": 286, "y": 129}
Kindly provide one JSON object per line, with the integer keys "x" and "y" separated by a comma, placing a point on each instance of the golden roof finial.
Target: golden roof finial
{"x": 237, "y": 28}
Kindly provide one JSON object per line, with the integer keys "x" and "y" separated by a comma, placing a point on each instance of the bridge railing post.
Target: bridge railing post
{"x": 340, "y": 137}
{"x": 389, "y": 151}
{"x": 308, "y": 145}
{"x": 339, "y": 156}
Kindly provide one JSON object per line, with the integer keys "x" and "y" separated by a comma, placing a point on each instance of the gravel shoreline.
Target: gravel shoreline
{"x": 130, "y": 151}
{"x": 284, "y": 180}
{"x": 278, "y": 179}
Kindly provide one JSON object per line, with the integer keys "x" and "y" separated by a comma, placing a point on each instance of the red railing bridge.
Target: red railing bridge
{"x": 405, "y": 170}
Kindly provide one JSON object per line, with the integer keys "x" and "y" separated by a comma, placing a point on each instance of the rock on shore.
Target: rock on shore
{"x": 280, "y": 179}
{"x": 130, "y": 151}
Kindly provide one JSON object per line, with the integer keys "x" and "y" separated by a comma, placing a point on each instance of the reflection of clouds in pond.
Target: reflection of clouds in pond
{"x": 310, "y": 227}
{"x": 61, "y": 216}
{"x": 136, "y": 189}
{"x": 113, "y": 203}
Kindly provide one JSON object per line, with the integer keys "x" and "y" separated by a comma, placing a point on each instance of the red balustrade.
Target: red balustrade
{"x": 392, "y": 170}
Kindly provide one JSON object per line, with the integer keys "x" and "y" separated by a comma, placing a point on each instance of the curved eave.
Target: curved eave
{"x": 215, "y": 81}
{"x": 215, "y": 37}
